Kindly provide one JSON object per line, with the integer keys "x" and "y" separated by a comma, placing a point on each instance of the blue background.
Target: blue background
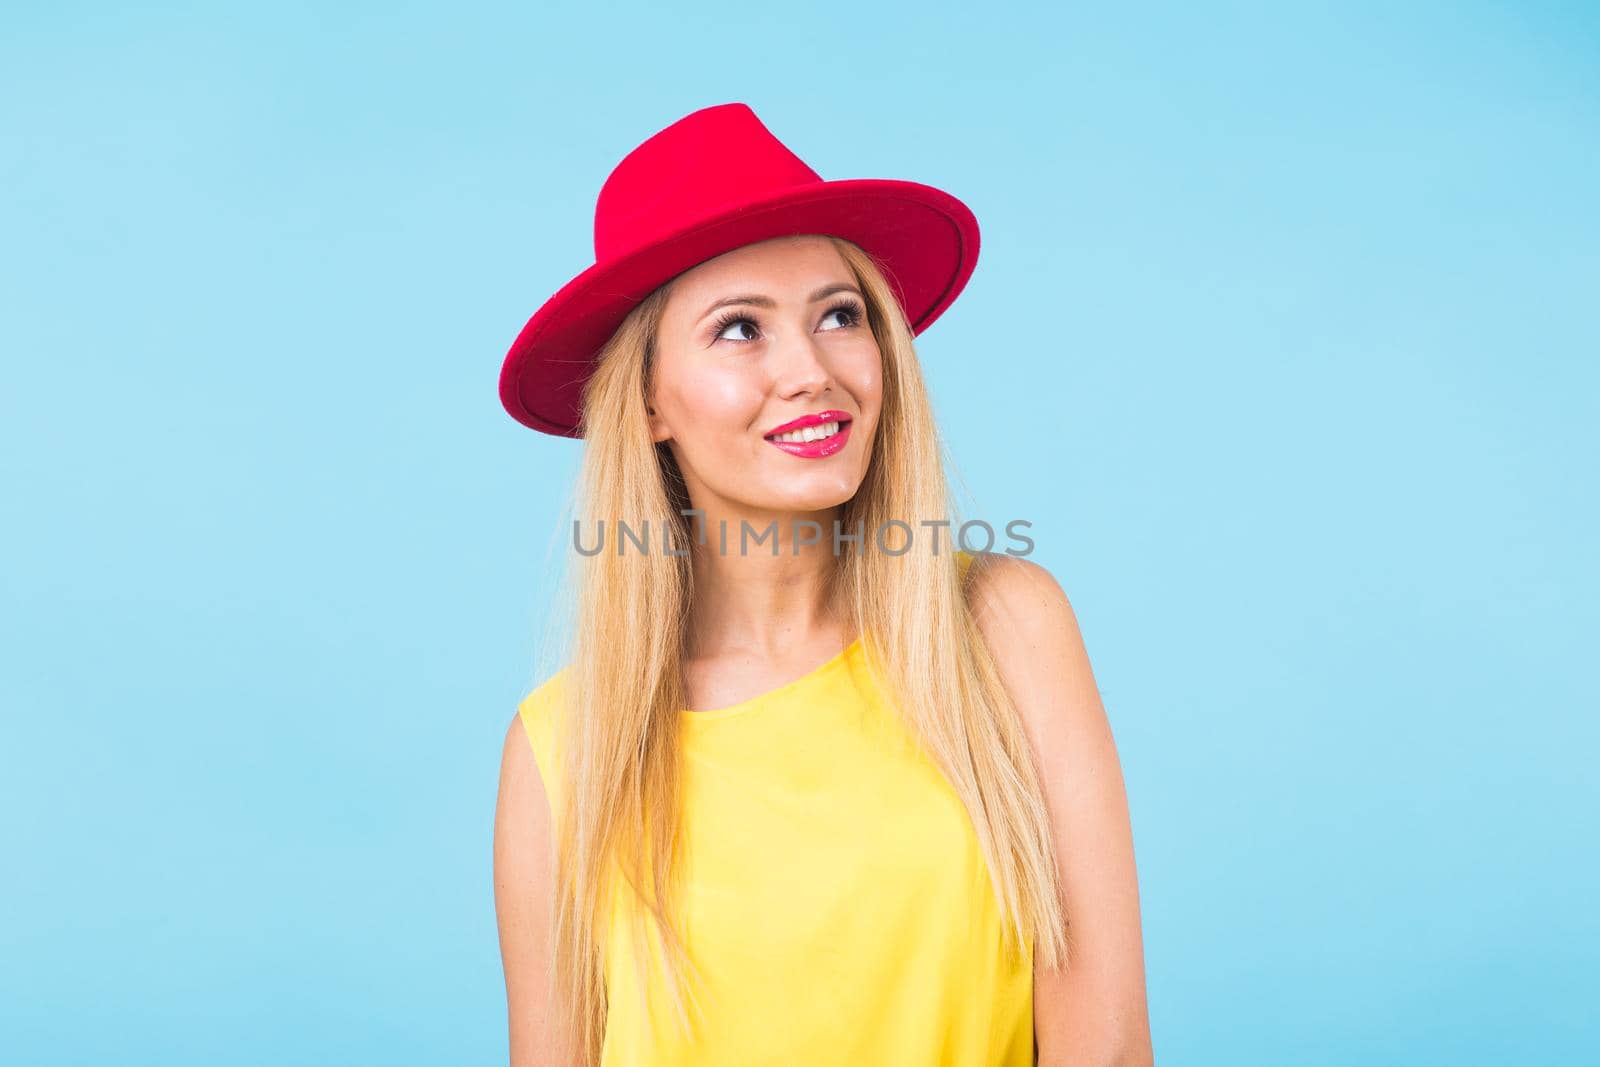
{"x": 1283, "y": 336}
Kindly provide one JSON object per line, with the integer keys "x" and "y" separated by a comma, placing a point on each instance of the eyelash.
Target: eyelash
{"x": 728, "y": 318}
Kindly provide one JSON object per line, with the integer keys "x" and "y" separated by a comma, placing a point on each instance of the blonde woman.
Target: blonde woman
{"x": 811, "y": 787}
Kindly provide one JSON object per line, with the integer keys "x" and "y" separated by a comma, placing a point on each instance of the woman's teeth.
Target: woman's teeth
{"x": 810, "y": 433}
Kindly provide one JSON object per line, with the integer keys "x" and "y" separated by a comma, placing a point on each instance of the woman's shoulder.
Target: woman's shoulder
{"x": 546, "y": 694}
{"x": 1031, "y": 627}
{"x": 539, "y": 713}
{"x": 1003, "y": 563}
{"x": 1014, "y": 585}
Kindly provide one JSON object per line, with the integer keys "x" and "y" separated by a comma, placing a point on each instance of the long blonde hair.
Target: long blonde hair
{"x": 620, "y": 787}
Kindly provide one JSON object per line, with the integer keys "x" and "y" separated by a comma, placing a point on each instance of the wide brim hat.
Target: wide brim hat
{"x": 713, "y": 181}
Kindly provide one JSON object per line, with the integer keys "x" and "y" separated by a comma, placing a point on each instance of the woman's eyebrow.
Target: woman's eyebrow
{"x": 757, "y": 300}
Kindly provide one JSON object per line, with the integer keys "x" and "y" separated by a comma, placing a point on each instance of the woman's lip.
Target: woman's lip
{"x": 816, "y": 449}
{"x": 803, "y": 421}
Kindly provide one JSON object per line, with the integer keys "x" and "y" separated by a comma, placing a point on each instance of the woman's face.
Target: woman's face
{"x": 748, "y": 342}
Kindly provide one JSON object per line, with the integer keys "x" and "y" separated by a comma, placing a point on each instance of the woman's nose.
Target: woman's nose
{"x": 800, "y": 366}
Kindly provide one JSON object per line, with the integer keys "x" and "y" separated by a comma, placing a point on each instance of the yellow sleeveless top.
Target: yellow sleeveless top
{"x": 836, "y": 903}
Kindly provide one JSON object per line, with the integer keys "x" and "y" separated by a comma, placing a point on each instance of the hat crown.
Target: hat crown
{"x": 691, "y": 170}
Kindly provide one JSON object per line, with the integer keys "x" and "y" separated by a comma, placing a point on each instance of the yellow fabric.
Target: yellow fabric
{"x": 837, "y": 903}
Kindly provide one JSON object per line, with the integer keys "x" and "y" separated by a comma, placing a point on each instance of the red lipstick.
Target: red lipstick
{"x": 826, "y": 446}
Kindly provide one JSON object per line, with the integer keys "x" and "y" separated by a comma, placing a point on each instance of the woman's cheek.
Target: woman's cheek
{"x": 726, "y": 400}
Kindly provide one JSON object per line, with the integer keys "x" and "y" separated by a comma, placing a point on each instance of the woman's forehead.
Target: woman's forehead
{"x": 777, "y": 261}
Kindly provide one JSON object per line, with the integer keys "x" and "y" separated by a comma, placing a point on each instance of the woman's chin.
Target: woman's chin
{"x": 815, "y": 502}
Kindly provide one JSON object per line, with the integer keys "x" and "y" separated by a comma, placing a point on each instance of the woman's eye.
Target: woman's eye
{"x": 849, "y": 313}
{"x": 744, "y": 323}
{"x": 845, "y": 314}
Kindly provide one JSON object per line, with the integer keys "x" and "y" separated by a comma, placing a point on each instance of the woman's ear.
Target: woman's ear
{"x": 658, "y": 426}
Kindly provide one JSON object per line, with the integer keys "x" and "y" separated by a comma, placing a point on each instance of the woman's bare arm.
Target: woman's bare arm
{"x": 523, "y": 880}
{"x": 1094, "y": 1012}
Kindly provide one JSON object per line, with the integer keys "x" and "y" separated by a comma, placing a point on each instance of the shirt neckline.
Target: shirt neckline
{"x": 760, "y": 699}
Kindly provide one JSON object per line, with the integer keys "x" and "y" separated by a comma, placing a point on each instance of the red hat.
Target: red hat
{"x": 713, "y": 181}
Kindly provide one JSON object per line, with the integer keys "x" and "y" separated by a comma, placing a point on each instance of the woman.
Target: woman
{"x": 811, "y": 788}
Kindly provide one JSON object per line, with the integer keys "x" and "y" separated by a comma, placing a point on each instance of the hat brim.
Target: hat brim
{"x": 925, "y": 240}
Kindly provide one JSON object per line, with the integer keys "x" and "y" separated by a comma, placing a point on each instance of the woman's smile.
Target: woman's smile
{"x": 812, "y": 436}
